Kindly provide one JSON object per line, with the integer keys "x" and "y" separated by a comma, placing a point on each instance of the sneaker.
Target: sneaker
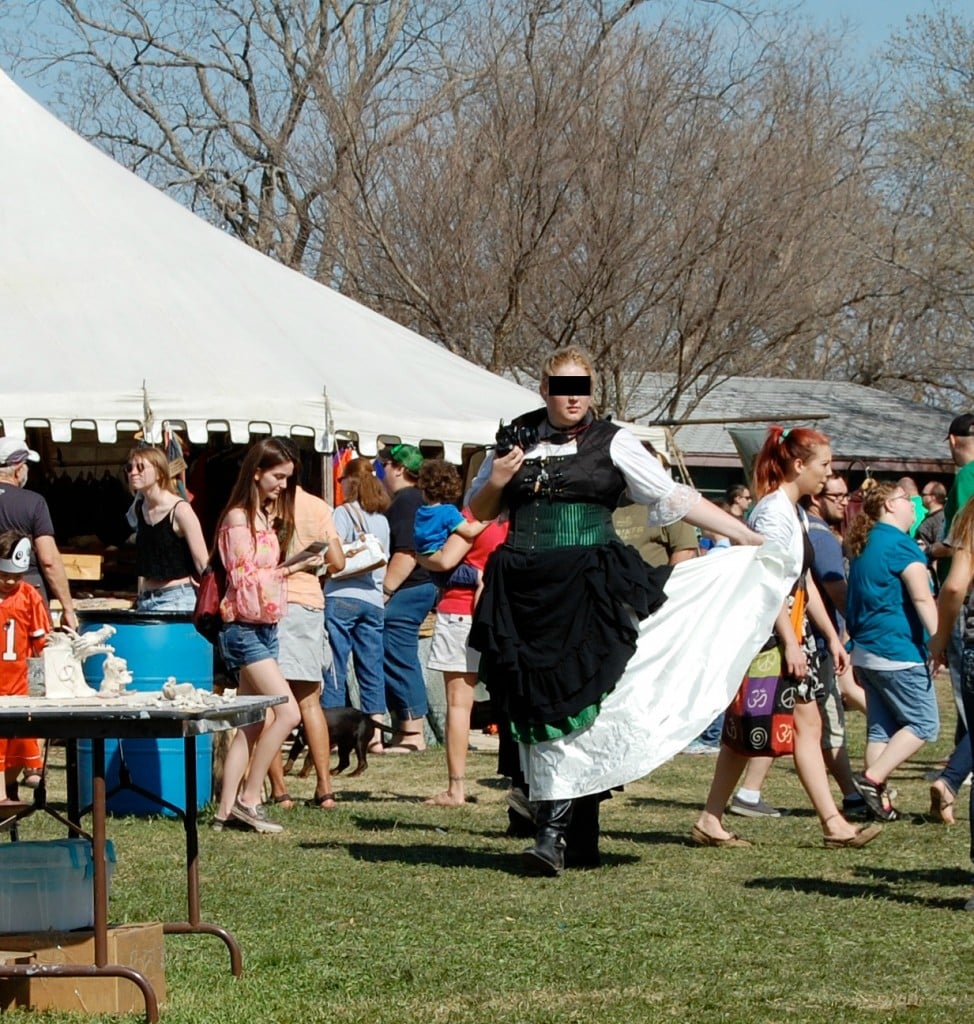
{"x": 699, "y": 747}
{"x": 854, "y": 808}
{"x": 876, "y": 797}
{"x": 520, "y": 804}
{"x": 255, "y": 817}
{"x": 756, "y": 810}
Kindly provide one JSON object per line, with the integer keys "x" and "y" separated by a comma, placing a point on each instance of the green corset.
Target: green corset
{"x": 542, "y": 525}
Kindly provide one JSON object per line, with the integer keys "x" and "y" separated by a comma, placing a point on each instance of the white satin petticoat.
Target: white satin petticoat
{"x": 690, "y": 659}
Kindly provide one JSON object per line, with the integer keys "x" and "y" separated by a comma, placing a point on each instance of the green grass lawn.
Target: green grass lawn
{"x": 386, "y": 910}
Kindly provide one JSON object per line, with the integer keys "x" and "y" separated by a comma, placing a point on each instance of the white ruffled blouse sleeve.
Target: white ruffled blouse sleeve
{"x": 648, "y": 483}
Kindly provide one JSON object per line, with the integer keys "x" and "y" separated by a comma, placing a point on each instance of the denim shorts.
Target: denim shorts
{"x": 180, "y": 598}
{"x": 244, "y": 643}
{"x": 902, "y": 698}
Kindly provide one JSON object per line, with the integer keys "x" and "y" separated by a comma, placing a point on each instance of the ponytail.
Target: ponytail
{"x": 873, "y": 503}
{"x": 780, "y": 450}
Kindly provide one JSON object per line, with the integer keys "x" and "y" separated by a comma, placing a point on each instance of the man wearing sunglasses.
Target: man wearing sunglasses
{"x": 27, "y": 513}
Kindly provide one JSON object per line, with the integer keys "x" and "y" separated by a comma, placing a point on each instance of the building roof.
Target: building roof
{"x": 878, "y": 429}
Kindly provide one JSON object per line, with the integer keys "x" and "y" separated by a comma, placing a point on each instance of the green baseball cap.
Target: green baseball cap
{"x": 406, "y": 455}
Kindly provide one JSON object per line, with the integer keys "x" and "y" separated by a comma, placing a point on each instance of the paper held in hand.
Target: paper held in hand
{"x": 314, "y": 548}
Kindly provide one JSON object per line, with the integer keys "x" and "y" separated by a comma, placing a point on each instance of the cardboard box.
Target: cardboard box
{"x": 139, "y": 946}
{"x": 14, "y": 992}
{"x": 82, "y": 567}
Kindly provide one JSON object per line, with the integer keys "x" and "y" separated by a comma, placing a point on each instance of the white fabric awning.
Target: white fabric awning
{"x": 114, "y": 299}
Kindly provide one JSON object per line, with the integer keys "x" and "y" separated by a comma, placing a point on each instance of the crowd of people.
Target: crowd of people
{"x": 561, "y": 580}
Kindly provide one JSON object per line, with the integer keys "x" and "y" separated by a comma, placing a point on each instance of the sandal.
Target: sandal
{"x": 285, "y": 801}
{"x": 326, "y": 802}
{"x": 942, "y": 802}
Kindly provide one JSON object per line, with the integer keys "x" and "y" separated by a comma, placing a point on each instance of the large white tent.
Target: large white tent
{"x": 118, "y": 308}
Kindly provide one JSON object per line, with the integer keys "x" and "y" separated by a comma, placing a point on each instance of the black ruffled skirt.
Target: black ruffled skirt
{"x": 555, "y": 628}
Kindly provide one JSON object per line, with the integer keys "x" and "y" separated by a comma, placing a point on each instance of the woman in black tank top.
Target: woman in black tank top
{"x": 169, "y": 546}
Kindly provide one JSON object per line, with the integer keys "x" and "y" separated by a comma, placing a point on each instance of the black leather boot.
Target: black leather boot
{"x": 583, "y": 834}
{"x": 547, "y": 856}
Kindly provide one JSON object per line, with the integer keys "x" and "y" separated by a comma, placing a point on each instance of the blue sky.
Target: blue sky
{"x": 871, "y": 21}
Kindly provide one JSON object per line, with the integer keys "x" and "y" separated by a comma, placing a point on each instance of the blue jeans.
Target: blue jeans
{"x": 711, "y": 735}
{"x": 355, "y": 628}
{"x": 405, "y": 685}
{"x": 955, "y": 664}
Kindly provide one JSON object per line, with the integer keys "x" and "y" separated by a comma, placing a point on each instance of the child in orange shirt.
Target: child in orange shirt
{"x": 24, "y": 625}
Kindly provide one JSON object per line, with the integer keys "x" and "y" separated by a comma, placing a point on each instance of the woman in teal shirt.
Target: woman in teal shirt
{"x": 890, "y": 614}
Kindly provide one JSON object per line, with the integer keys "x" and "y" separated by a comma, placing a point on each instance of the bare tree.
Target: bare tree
{"x": 930, "y": 198}
{"x": 694, "y": 190}
{"x": 648, "y": 194}
{"x": 246, "y": 109}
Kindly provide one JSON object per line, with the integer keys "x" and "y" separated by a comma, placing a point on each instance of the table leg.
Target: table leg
{"x": 101, "y": 967}
{"x": 98, "y": 851}
{"x": 194, "y": 926}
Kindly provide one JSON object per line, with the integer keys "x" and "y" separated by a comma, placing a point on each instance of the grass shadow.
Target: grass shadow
{"x": 669, "y": 804}
{"x": 494, "y": 782}
{"x": 852, "y": 891}
{"x": 436, "y": 856}
{"x": 507, "y": 862}
{"x": 929, "y": 876}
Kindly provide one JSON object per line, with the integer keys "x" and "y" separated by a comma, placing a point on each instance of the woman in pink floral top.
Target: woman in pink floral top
{"x": 255, "y": 527}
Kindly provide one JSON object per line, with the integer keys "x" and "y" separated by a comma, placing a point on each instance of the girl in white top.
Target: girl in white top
{"x": 792, "y": 463}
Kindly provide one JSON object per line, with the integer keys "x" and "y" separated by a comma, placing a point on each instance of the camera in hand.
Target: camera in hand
{"x": 515, "y": 435}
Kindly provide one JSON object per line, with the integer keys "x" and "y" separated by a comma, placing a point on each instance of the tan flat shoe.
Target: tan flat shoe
{"x": 864, "y": 834}
{"x": 701, "y": 838}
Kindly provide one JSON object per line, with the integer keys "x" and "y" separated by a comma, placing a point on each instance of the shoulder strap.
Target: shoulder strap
{"x": 355, "y": 511}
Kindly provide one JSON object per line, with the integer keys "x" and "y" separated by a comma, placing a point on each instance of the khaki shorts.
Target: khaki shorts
{"x": 449, "y": 651}
{"x": 304, "y": 651}
{"x": 830, "y": 704}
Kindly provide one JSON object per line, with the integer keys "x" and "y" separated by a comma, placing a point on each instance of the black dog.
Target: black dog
{"x": 349, "y": 729}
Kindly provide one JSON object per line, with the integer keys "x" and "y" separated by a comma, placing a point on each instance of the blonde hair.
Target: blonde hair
{"x": 569, "y": 354}
{"x": 873, "y": 505}
{"x": 962, "y": 529}
{"x": 159, "y": 461}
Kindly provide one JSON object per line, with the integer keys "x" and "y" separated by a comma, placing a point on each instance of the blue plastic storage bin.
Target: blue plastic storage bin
{"x": 49, "y": 884}
{"x": 156, "y": 645}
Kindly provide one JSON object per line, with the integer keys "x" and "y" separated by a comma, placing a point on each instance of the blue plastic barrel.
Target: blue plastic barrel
{"x": 156, "y": 645}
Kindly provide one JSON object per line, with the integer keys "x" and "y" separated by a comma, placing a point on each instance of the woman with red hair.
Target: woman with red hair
{"x": 791, "y": 464}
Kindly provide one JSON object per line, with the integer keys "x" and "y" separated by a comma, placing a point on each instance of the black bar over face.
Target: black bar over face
{"x": 570, "y": 386}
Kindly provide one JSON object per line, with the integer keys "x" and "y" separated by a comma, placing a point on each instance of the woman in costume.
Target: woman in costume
{"x": 557, "y": 623}
{"x": 791, "y": 463}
